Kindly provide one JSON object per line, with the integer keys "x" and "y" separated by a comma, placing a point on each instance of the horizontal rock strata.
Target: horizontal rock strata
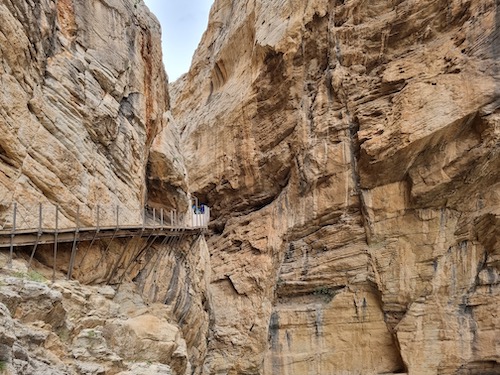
{"x": 85, "y": 126}
{"x": 350, "y": 153}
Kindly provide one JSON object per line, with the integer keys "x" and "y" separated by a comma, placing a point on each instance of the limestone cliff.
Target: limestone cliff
{"x": 85, "y": 124}
{"x": 67, "y": 328}
{"x": 350, "y": 152}
{"x": 83, "y": 100}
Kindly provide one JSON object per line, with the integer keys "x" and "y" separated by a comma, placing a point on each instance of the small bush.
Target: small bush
{"x": 63, "y": 334}
{"x": 326, "y": 293}
{"x": 31, "y": 275}
{"x": 35, "y": 276}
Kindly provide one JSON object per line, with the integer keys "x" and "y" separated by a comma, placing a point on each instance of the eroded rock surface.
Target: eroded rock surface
{"x": 350, "y": 152}
{"x": 83, "y": 99}
{"x": 85, "y": 124}
{"x": 69, "y": 328}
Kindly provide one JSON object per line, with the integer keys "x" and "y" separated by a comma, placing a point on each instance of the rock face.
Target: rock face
{"x": 83, "y": 100}
{"x": 157, "y": 325}
{"x": 85, "y": 124}
{"x": 350, "y": 153}
{"x": 68, "y": 328}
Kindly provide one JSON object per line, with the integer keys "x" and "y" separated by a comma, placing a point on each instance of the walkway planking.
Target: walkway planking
{"x": 27, "y": 237}
{"x": 45, "y": 224}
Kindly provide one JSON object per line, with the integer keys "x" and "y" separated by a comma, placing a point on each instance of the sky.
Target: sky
{"x": 183, "y": 23}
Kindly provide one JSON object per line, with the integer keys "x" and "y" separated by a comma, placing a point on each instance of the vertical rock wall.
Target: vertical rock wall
{"x": 83, "y": 98}
{"x": 85, "y": 121}
{"x": 350, "y": 152}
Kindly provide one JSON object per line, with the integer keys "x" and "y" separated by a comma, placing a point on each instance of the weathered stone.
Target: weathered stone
{"x": 33, "y": 301}
{"x": 348, "y": 149}
{"x": 147, "y": 369}
{"x": 84, "y": 96}
{"x": 349, "y": 152}
{"x": 143, "y": 338}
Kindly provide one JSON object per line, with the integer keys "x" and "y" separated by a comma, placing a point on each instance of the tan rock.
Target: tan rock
{"x": 347, "y": 147}
{"x": 331, "y": 331}
{"x": 84, "y": 122}
{"x": 83, "y": 97}
{"x": 147, "y": 369}
{"x": 94, "y": 334}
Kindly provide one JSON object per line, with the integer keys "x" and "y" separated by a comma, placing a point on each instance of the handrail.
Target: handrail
{"x": 15, "y": 217}
{"x": 24, "y": 225}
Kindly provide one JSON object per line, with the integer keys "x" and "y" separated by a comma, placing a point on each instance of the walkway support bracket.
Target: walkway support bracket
{"x": 55, "y": 246}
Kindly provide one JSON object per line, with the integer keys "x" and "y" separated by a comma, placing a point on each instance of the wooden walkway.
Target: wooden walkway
{"x": 40, "y": 224}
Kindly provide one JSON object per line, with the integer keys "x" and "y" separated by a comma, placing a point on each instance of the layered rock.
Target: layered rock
{"x": 350, "y": 154}
{"x": 84, "y": 98}
{"x": 157, "y": 325}
{"x": 86, "y": 126}
{"x": 68, "y": 328}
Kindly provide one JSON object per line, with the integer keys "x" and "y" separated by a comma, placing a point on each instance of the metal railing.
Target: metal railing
{"x": 15, "y": 216}
{"x": 200, "y": 217}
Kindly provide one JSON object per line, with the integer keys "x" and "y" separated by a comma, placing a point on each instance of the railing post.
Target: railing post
{"x": 172, "y": 218}
{"x": 40, "y": 218}
{"x": 161, "y": 217}
{"x": 12, "y": 234}
{"x": 143, "y": 218}
{"x": 73, "y": 249}
{"x": 77, "y": 218}
{"x": 154, "y": 216}
{"x": 55, "y": 245}
{"x": 97, "y": 214}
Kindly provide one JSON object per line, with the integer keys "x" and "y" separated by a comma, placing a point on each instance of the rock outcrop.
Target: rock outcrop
{"x": 85, "y": 126}
{"x": 350, "y": 152}
{"x": 350, "y": 155}
{"x": 69, "y": 328}
{"x": 83, "y": 100}
{"x": 156, "y": 325}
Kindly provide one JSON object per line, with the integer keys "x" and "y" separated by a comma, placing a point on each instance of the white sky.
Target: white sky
{"x": 183, "y": 23}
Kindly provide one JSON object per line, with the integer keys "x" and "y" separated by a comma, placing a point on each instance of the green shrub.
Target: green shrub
{"x": 31, "y": 275}
{"x": 325, "y": 292}
{"x": 36, "y": 276}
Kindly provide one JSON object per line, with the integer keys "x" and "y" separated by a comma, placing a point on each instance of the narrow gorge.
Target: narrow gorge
{"x": 349, "y": 152}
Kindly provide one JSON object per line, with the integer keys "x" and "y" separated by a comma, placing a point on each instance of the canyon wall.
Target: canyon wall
{"x": 85, "y": 125}
{"x": 67, "y": 328}
{"x": 350, "y": 153}
{"x": 84, "y": 104}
